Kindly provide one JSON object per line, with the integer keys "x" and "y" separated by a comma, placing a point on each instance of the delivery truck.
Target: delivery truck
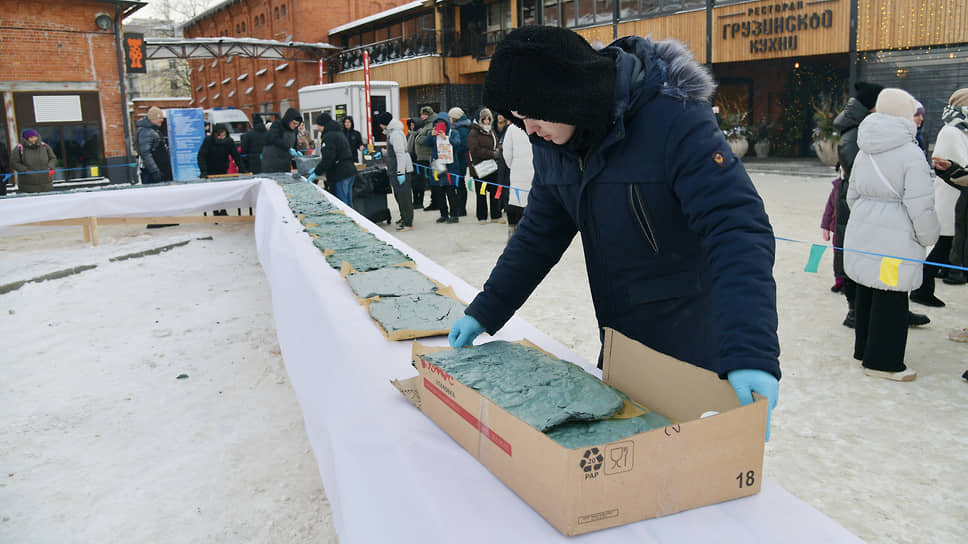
{"x": 347, "y": 98}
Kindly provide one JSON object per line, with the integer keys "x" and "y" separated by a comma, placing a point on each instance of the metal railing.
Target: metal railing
{"x": 452, "y": 44}
{"x": 394, "y": 49}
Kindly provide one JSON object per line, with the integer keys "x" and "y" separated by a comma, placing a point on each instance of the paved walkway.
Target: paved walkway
{"x": 809, "y": 166}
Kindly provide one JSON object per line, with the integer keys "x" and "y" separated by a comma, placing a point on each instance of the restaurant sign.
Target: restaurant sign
{"x": 777, "y": 26}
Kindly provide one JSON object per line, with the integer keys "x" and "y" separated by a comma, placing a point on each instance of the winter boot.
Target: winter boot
{"x": 956, "y": 277}
{"x": 838, "y": 286}
{"x": 851, "y": 320}
{"x": 916, "y": 320}
{"x": 925, "y": 294}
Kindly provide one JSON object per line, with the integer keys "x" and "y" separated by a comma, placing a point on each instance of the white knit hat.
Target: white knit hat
{"x": 455, "y": 113}
{"x": 896, "y": 102}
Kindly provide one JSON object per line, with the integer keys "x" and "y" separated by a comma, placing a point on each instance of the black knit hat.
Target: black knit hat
{"x": 323, "y": 119}
{"x": 383, "y": 118}
{"x": 550, "y": 74}
{"x": 867, "y": 93}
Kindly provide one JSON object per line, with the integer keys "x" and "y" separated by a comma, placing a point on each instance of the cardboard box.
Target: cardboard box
{"x": 694, "y": 462}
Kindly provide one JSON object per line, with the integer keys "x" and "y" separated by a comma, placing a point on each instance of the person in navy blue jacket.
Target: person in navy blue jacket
{"x": 678, "y": 248}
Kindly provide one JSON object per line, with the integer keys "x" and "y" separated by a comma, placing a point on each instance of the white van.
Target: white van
{"x": 347, "y": 98}
{"x": 237, "y": 121}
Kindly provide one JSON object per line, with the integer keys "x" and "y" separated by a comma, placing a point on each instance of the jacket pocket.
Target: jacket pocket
{"x": 680, "y": 285}
{"x": 641, "y": 215}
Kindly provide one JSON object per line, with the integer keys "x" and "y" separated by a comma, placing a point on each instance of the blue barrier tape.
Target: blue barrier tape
{"x": 941, "y": 265}
{"x": 71, "y": 169}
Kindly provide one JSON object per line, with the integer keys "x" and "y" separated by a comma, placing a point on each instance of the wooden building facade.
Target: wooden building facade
{"x": 776, "y": 60}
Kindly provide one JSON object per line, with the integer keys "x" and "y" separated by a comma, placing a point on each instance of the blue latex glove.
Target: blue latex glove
{"x": 311, "y": 178}
{"x": 464, "y": 331}
{"x": 378, "y": 155}
{"x": 295, "y": 153}
{"x": 748, "y": 381}
{"x": 401, "y": 178}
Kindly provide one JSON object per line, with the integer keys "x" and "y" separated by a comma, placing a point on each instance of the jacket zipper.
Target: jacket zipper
{"x": 642, "y": 217}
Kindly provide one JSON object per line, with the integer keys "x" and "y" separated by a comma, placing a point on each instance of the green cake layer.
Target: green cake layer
{"x": 423, "y": 312}
{"x": 326, "y": 219}
{"x": 537, "y": 388}
{"x": 394, "y": 281}
{"x": 580, "y": 434}
{"x": 347, "y": 240}
{"x": 371, "y": 257}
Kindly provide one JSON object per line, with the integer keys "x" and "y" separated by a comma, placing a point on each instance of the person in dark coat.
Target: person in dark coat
{"x": 423, "y": 153}
{"x": 501, "y": 125}
{"x": 627, "y": 153}
{"x": 354, "y": 137}
{"x": 280, "y": 145}
{"x": 252, "y": 143}
{"x": 417, "y": 181}
{"x": 152, "y": 149}
{"x": 5, "y": 171}
{"x": 460, "y": 127}
{"x": 213, "y": 155}
{"x": 846, "y": 123}
{"x": 443, "y": 184}
{"x": 34, "y": 156}
{"x": 336, "y": 159}
{"x": 482, "y": 144}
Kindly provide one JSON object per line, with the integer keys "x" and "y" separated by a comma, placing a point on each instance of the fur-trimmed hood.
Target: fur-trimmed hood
{"x": 645, "y": 68}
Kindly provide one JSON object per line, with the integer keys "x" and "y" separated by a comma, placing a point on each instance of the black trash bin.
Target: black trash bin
{"x": 370, "y": 190}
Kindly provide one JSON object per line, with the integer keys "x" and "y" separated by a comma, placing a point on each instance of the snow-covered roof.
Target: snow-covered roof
{"x": 416, "y": 4}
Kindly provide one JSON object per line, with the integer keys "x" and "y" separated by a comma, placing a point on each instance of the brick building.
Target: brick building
{"x": 255, "y": 85}
{"x": 61, "y": 76}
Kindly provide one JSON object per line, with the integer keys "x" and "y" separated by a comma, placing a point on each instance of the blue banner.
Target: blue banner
{"x": 186, "y": 130}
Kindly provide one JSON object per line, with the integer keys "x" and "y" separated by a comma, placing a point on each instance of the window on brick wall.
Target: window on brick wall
{"x": 262, "y": 19}
{"x": 243, "y": 26}
{"x": 238, "y": 28}
{"x": 77, "y": 141}
{"x": 276, "y": 12}
{"x": 283, "y": 10}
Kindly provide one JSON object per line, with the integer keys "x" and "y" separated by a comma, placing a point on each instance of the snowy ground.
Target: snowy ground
{"x": 101, "y": 443}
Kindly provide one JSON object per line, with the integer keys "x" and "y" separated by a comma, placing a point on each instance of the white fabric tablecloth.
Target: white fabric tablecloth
{"x": 392, "y": 475}
{"x": 147, "y": 201}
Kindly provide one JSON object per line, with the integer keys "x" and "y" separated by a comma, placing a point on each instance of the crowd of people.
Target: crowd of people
{"x": 885, "y": 203}
{"x": 892, "y": 197}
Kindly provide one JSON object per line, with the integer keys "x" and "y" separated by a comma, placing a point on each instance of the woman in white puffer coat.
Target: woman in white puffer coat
{"x": 891, "y": 199}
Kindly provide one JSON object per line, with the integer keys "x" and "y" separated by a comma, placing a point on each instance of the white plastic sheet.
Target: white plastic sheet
{"x": 391, "y": 475}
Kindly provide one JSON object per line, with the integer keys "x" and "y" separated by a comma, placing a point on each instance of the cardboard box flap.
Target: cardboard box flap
{"x": 677, "y": 390}
{"x": 410, "y": 389}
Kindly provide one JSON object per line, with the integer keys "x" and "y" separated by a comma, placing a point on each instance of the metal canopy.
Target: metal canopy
{"x": 127, "y": 8}
{"x": 209, "y": 48}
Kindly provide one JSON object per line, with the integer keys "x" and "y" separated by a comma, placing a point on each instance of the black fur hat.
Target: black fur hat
{"x": 867, "y": 93}
{"x": 550, "y": 74}
{"x": 383, "y": 118}
{"x": 323, "y": 119}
